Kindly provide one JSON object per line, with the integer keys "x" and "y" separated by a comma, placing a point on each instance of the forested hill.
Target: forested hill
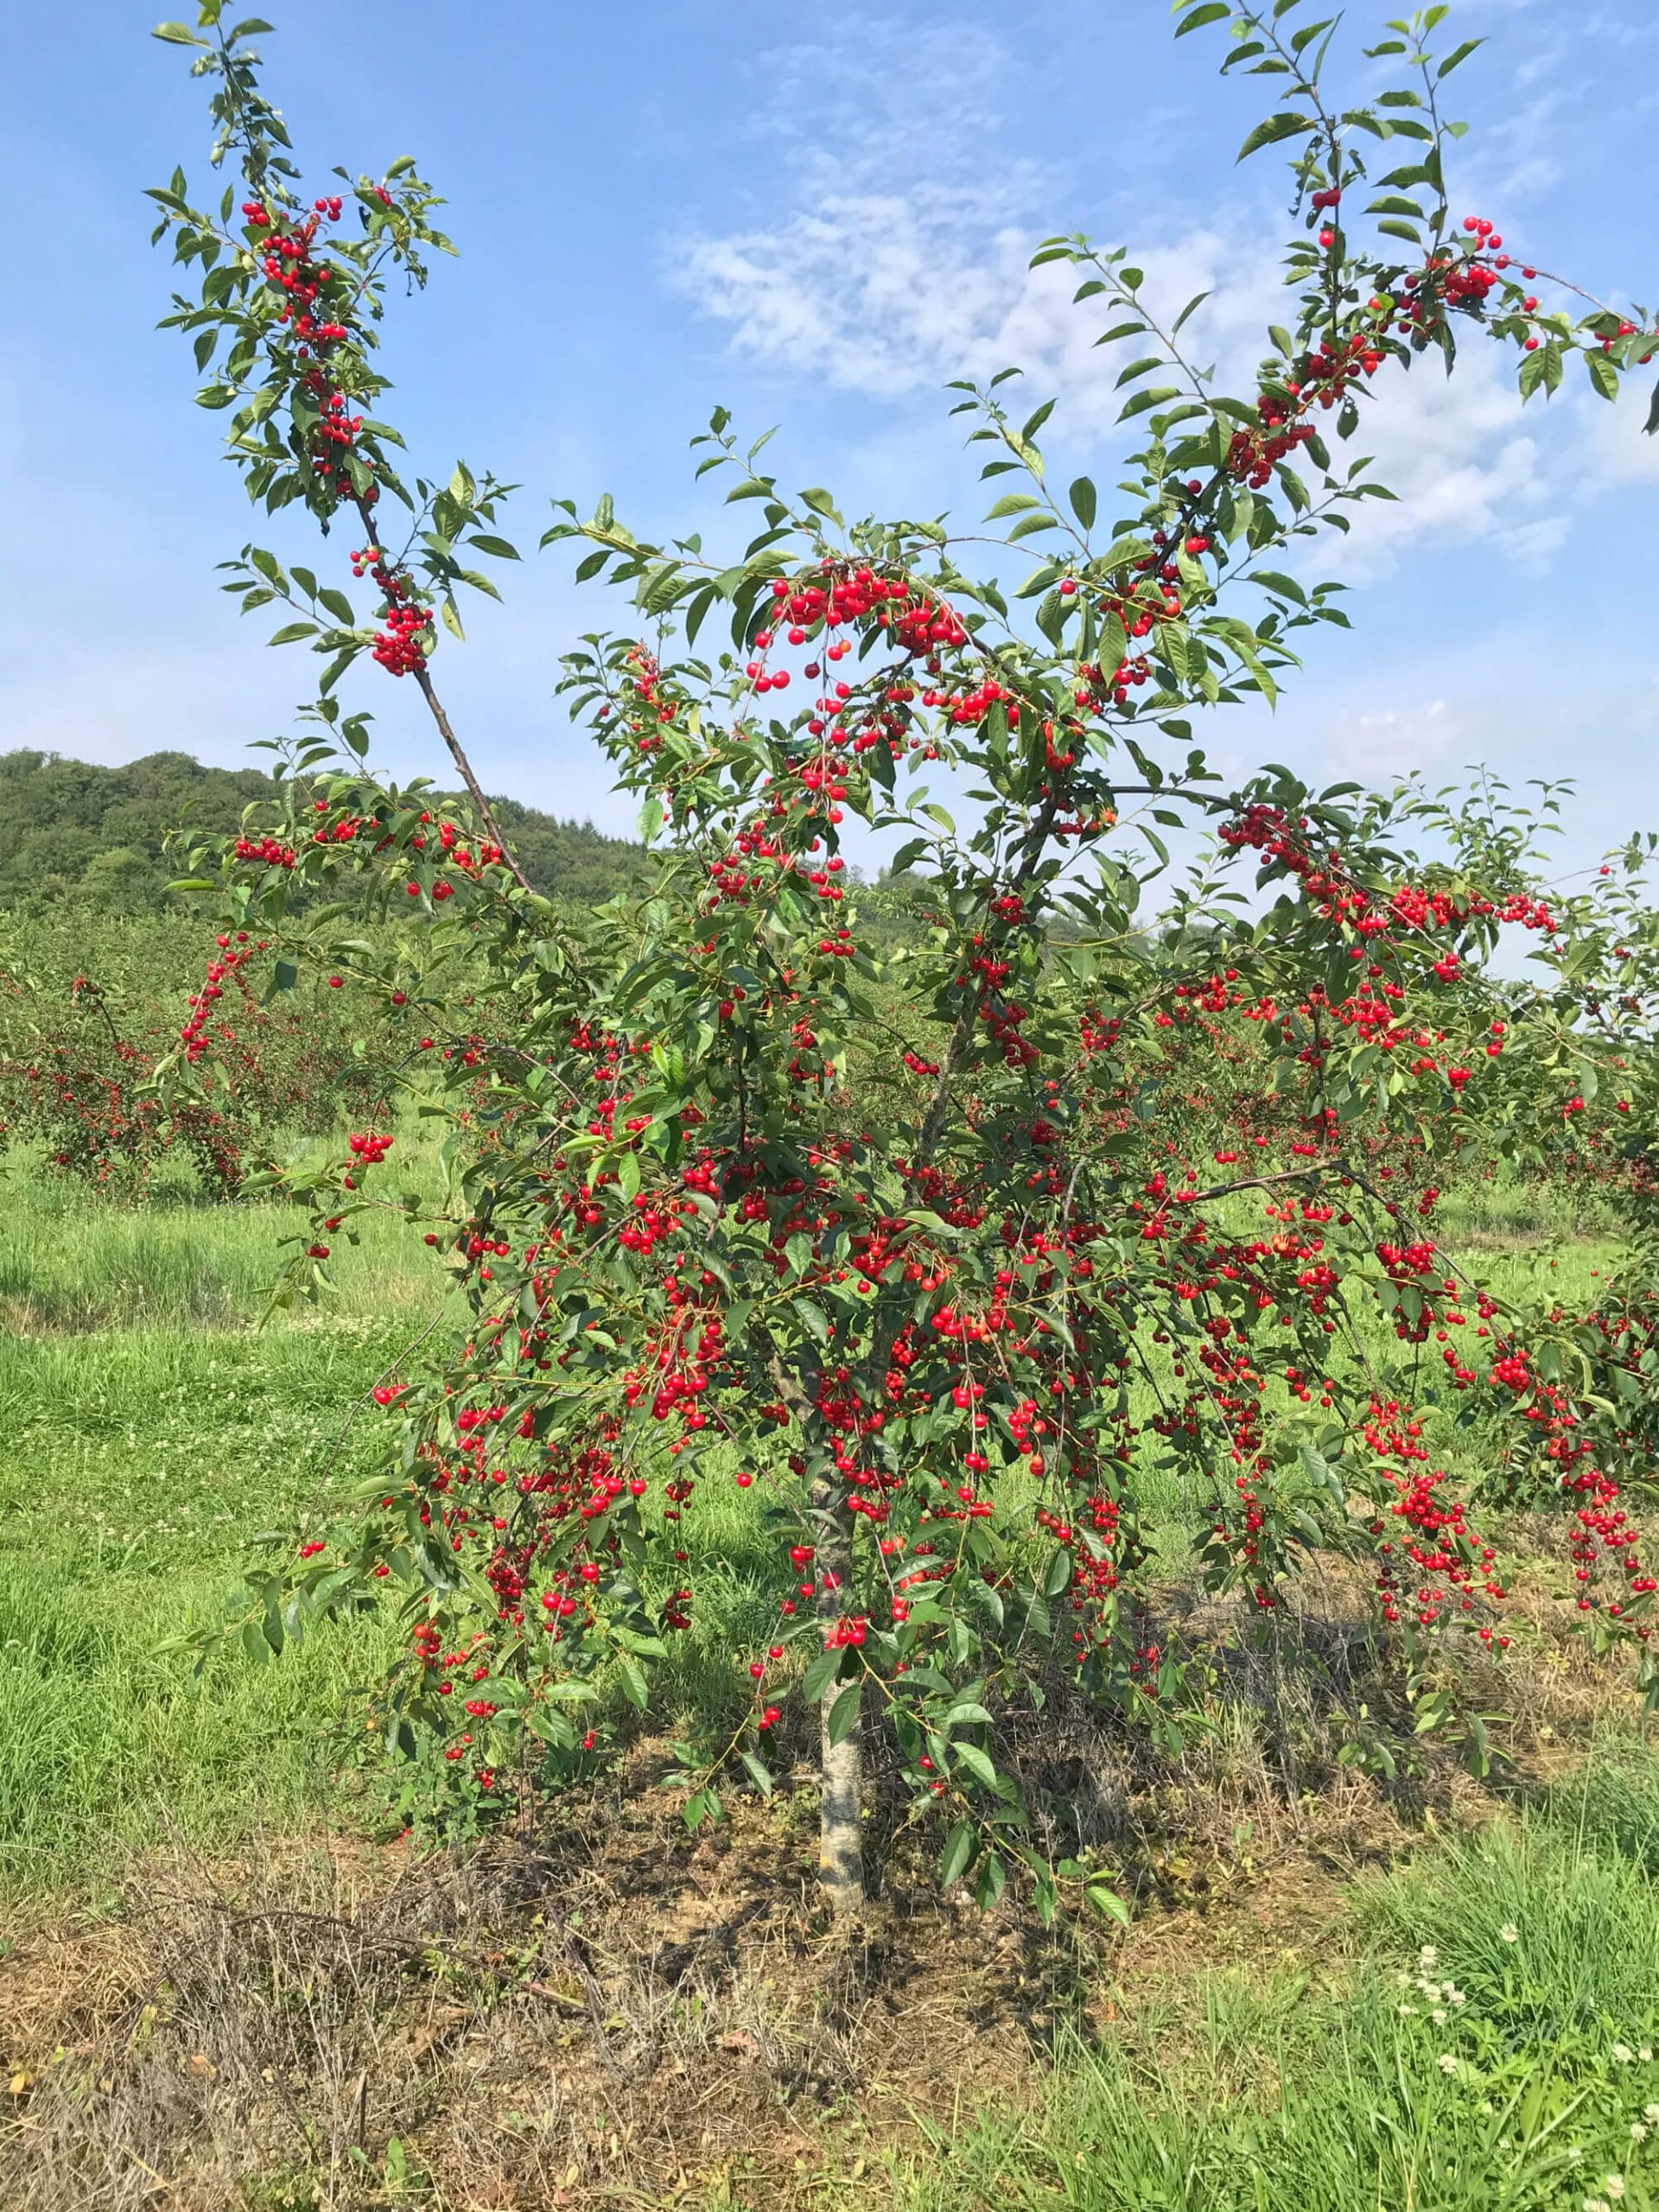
{"x": 78, "y": 831}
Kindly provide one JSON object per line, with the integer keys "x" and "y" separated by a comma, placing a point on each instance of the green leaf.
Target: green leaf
{"x": 703, "y": 1805}
{"x": 1458, "y": 54}
{"x": 176, "y": 34}
{"x": 291, "y": 633}
{"x": 992, "y": 1880}
{"x": 1107, "y": 1904}
{"x": 497, "y": 548}
{"x": 1286, "y": 587}
{"x": 1122, "y": 551}
{"x": 1039, "y": 579}
{"x": 1084, "y": 500}
{"x": 844, "y": 1714}
{"x": 958, "y": 1852}
{"x": 977, "y": 1762}
{"x": 662, "y": 588}
{"x": 760, "y": 1775}
{"x": 1272, "y": 128}
{"x": 820, "y": 1674}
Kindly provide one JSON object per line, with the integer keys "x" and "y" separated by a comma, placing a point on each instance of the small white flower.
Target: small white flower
{"x": 1459, "y": 1996}
{"x": 1426, "y": 1956}
{"x": 1448, "y": 2063}
{"x": 1614, "y": 2184}
{"x": 1594, "y": 2204}
{"x": 1623, "y": 2053}
{"x": 1645, "y": 2053}
{"x": 1438, "y": 2016}
{"x": 1638, "y": 2132}
{"x": 1407, "y": 2012}
{"x": 1508, "y": 1933}
{"x": 1650, "y": 2113}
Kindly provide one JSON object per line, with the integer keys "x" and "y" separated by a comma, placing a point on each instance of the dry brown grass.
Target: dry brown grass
{"x": 531, "y": 2031}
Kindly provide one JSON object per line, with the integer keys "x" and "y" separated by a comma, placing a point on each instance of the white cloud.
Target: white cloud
{"x": 1459, "y": 453}
{"x": 1615, "y": 451}
{"x": 884, "y": 281}
{"x": 894, "y": 256}
{"x": 1432, "y": 709}
{"x": 1395, "y": 740}
{"x": 907, "y": 230}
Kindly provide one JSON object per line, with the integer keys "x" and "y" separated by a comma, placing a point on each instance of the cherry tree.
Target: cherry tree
{"x": 944, "y": 1244}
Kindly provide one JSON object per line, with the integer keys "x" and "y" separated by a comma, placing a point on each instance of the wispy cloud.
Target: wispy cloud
{"x": 897, "y": 257}
{"x": 902, "y": 236}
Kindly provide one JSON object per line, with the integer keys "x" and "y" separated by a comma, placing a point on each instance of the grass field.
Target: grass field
{"x": 149, "y": 1431}
{"x": 1482, "y": 2034}
{"x": 1244, "y": 2045}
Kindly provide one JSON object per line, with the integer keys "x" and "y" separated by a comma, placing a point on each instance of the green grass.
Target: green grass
{"x": 1483, "y": 2035}
{"x": 148, "y": 1429}
{"x": 153, "y": 1421}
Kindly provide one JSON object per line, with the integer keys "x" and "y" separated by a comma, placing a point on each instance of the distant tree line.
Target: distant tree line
{"x": 83, "y": 833}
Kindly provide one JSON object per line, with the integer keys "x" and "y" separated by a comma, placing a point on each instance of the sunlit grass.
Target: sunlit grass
{"x": 1480, "y": 2033}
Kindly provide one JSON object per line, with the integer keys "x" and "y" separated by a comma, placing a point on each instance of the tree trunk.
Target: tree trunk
{"x": 841, "y": 1766}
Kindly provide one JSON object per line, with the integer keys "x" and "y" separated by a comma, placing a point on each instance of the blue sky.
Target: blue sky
{"x": 666, "y": 206}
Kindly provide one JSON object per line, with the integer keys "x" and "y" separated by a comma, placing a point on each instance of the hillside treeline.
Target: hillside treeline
{"x": 80, "y": 832}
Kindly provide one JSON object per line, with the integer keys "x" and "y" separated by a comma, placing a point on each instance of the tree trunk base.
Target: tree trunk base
{"x": 840, "y": 1857}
